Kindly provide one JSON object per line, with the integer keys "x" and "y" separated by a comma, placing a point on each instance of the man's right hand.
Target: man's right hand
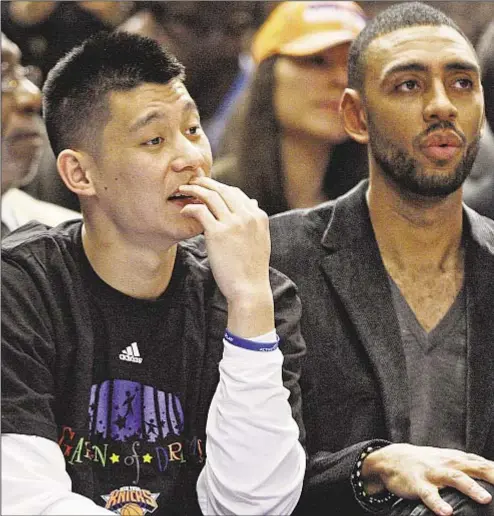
{"x": 238, "y": 244}
{"x": 413, "y": 472}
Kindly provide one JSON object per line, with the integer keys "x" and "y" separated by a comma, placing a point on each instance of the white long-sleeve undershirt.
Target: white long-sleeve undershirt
{"x": 255, "y": 463}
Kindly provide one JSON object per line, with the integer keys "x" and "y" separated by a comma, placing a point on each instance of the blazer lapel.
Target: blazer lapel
{"x": 354, "y": 268}
{"x": 479, "y": 279}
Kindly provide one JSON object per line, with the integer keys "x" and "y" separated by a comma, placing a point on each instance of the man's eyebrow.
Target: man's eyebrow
{"x": 191, "y": 106}
{"x": 156, "y": 115}
{"x": 464, "y": 66}
{"x": 406, "y": 67}
{"x": 146, "y": 119}
{"x": 413, "y": 66}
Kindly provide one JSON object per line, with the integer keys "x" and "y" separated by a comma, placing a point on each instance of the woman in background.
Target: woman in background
{"x": 286, "y": 146}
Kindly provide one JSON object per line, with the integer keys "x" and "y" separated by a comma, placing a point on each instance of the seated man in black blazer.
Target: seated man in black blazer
{"x": 397, "y": 280}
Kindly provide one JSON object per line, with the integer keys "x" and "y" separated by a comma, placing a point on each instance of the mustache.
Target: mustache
{"x": 444, "y": 124}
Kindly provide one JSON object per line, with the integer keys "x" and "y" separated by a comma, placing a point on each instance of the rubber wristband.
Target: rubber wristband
{"x": 251, "y": 344}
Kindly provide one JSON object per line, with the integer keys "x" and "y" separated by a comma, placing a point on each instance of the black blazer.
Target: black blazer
{"x": 354, "y": 377}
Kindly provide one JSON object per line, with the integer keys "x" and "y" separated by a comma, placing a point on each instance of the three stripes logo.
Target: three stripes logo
{"x": 131, "y": 354}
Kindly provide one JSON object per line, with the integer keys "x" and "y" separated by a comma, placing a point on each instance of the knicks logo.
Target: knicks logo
{"x": 131, "y": 501}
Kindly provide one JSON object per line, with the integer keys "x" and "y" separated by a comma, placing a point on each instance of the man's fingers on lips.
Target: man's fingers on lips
{"x": 199, "y": 192}
{"x": 235, "y": 200}
{"x": 232, "y": 195}
{"x": 206, "y": 182}
{"x": 212, "y": 198}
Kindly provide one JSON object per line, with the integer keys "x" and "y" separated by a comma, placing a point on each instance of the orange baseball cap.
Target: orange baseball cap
{"x": 305, "y": 28}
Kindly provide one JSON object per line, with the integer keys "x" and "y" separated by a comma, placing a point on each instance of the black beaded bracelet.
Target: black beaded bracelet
{"x": 374, "y": 503}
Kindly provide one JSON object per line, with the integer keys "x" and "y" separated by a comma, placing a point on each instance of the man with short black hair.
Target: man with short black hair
{"x": 397, "y": 293}
{"x": 115, "y": 359}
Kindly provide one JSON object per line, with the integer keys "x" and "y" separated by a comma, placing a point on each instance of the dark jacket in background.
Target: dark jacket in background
{"x": 478, "y": 189}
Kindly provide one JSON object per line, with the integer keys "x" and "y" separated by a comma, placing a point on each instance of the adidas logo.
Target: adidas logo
{"x": 131, "y": 354}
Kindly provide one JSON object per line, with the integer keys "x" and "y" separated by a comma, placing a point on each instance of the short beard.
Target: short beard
{"x": 408, "y": 174}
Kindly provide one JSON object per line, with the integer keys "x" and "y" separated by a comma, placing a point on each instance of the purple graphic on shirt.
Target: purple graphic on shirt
{"x": 98, "y": 413}
{"x": 171, "y": 414}
{"x": 122, "y": 410}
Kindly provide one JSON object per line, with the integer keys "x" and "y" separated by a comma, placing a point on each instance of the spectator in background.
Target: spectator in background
{"x": 22, "y": 140}
{"x": 209, "y": 39}
{"x": 45, "y": 31}
{"x": 290, "y": 148}
{"x": 485, "y": 51}
{"x": 479, "y": 187}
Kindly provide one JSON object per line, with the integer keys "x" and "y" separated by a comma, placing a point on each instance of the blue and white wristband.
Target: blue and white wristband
{"x": 251, "y": 344}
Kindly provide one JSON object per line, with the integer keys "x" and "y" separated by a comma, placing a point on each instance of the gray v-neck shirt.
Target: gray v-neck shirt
{"x": 437, "y": 373}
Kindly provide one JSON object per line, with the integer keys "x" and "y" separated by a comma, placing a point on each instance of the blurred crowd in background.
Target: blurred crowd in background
{"x": 269, "y": 109}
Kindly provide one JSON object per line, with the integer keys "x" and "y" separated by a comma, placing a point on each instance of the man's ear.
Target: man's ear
{"x": 353, "y": 115}
{"x": 75, "y": 169}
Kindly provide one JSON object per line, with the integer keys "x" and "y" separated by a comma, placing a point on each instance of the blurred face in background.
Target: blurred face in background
{"x": 203, "y": 35}
{"x": 308, "y": 91}
{"x": 22, "y": 126}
